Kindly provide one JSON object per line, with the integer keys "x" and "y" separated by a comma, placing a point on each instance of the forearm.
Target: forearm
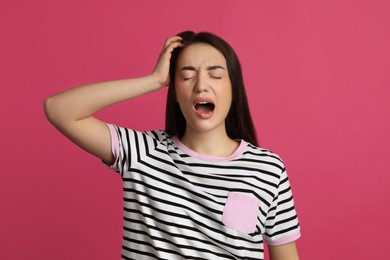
{"x": 81, "y": 102}
{"x": 71, "y": 111}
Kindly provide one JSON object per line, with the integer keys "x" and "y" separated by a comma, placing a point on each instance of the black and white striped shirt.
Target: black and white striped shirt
{"x": 179, "y": 204}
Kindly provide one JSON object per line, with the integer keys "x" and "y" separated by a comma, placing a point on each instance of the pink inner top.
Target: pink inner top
{"x": 114, "y": 144}
{"x": 237, "y": 153}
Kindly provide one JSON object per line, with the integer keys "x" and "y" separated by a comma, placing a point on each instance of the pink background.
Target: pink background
{"x": 317, "y": 77}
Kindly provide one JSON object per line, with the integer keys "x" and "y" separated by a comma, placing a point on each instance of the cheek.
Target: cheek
{"x": 178, "y": 90}
{"x": 183, "y": 89}
{"x": 227, "y": 99}
{"x": 227, "y": 104}
{"x": 182, "y": 97}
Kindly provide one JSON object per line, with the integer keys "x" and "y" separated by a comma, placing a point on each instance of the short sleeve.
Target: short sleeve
{"x": 114, "y": 146}
{"x": 129, "y": 146}
{"x": 282, "y": 225}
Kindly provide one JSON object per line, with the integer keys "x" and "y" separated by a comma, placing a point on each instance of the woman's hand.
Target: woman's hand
{"x": 71, "y": 111}
{"x": 161, "y": 71}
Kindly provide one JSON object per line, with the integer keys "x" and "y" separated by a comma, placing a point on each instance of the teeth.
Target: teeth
{"x": 203, "y": 103}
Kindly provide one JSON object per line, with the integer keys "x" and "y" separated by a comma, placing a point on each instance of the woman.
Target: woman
{"x": 201, "y": 189}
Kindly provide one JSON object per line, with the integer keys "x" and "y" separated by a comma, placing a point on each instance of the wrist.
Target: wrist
{"x": 159, "y": 81}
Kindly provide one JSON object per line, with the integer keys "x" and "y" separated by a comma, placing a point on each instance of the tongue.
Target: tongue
{"x": 205, "y": 109}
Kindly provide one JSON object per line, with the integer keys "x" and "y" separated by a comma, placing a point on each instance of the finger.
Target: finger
{"x": 174, "y": 45}
{"x": 166, "y": 52}
{"x": 171, "y": 40}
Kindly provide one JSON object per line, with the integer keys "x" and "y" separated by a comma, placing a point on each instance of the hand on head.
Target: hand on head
{"x": 161, "y": 70}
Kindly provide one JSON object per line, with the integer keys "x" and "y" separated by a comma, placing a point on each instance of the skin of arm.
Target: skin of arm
{"x": 284, "y": 252}
{"x": 71, "y": 111}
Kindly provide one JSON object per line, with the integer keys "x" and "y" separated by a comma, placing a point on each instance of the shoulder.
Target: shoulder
{"x": 129, "y": 134}
{"x": 264, "y": 156}
{"x": 159, "y": 135}
{"x": 155, "y": 138}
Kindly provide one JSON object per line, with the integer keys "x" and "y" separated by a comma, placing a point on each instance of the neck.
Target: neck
{"x": 212, "y": 143}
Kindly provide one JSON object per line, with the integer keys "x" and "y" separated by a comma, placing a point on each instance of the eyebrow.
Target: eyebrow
{"x": 215, "y": 67}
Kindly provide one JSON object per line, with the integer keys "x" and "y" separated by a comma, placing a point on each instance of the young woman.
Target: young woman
{"x": 201, "y": 189}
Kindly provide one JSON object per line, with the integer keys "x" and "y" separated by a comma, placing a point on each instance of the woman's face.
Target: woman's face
{"x": 203, "y": 88}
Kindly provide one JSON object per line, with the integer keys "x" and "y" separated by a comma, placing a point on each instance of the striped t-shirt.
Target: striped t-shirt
{"x": 179, "y": 204}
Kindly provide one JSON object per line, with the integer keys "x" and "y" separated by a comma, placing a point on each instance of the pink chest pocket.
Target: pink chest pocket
{"x": 240, "y": 212}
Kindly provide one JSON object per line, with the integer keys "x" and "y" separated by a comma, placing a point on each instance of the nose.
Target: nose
{"x": 201, "y": 83}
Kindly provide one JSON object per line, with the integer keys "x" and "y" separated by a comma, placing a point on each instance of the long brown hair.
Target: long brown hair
{"x": 239, "y": 124}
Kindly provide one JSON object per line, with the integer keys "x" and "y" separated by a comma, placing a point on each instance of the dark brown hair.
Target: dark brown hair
{"x": 238, "y": 122}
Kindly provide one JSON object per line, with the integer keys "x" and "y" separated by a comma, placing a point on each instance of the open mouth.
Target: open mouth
{"x": 204, "y": 107}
